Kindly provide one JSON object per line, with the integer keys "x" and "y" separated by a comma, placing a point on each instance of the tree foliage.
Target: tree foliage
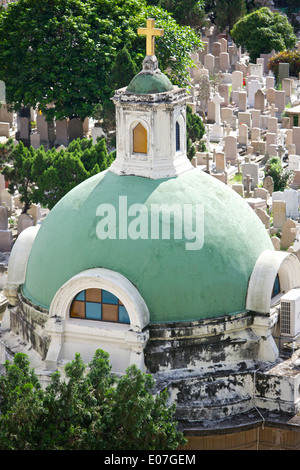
{"x": 59, "y": 52}
{"x": 45, "y": 177}
{"x": 185, "y": 12}
{"x": 195, "y": 130}
{"x": 91, "y": 409}
{"x": 262, "y": 31}
{"x": 280, "y": 176}
{"x": 288, "y": 57}
{"x": 228, "y": 12}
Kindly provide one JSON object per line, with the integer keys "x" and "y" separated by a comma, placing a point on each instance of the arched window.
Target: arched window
{"x": 140, "y": 139}
{"x": 177, "y": 136}
{"x": 276, "y": 287}
{"x": 98, "y": 304}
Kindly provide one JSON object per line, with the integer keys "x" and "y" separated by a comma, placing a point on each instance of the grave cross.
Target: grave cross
{"x": 281, "y": 151}
{"x": 150, "y": 32}
{"x": 248, "y": 180}
{"x": 207, "y": 158}
{"x": 273, "y": 110}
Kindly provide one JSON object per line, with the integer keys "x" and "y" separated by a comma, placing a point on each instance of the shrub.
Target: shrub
{"x": 290, "y": 57}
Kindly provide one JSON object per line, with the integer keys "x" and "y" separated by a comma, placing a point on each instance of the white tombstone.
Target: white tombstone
{"x": 230, "y": 148}
{"x": 270, "y": 82}
{"x": 243, "y": 134}
{"x": 294, "y": 162}
{"x": 296, "y": 139}
{"x": 217, "y": 130}
{"x": 224, "y": 61}
{"x": 251, "y": 169}
{"x": 242, "y": 101}
{"x": 252, "y": 87}
{"x": 209, "y": 62}
{"x": 237, "y": 80}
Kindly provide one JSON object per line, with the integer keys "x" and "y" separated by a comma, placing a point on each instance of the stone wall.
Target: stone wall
{"x": 28, "y": 322}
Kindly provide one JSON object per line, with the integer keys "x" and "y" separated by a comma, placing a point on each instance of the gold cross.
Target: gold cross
{"x": 150, "y": 32}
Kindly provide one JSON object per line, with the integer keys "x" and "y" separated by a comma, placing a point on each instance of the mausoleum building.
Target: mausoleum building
{"x": 161, "y": 265}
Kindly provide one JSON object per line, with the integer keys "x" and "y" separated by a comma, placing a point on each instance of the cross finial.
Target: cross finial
{"x": 150, "y": 32}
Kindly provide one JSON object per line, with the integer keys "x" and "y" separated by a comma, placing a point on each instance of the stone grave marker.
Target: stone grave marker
{"x": 61, "y": 130}
{"x": 268, "y": 184}
{"x": 251, "y": 169}
{"x": 264, "y": 217}
{"x": 230, "y": 148}
{"x": 288, "y": 233}
{"x": 279, "y": 214}
{"x": 283, "y": 71}
{"x": 209, "y": 62}
{"x": 24, "y": 221}
{"x": 296, "y": 139}
{"x": 248, "y": 181}
{"x": 259, "y": 100}
{"x": 220, "y": 162}
{"x": 242, "y": 101}
{"x": 280, "y": 100}
{"x": 238, "y": 188}
{"x": 3, "y": 218}
{"x": 6, "y": 240}
{"x": 75, "y": 129}
{"x": 243, "y": 134}
{"x": 276, "y": 243}
{"x": 294, "y": 162}
{"x": 261, "y": 193}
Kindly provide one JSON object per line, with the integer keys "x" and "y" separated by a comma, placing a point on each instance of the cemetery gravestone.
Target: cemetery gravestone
{"x": 283, "y": 71}
{"x": 268, "y": 184}
{"x": 288, "y": 234}
{"x": 279, "y": 215}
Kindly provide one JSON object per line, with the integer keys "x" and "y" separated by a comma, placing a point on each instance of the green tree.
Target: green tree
{"x": 45, "y": 177}
{"x": 92, "y": 409}
{"x": 228, "y": 12}
{"x": 185, "y": 12}
{"x": 195, "y": 130}
{"x": 56, "y": 173}
{"x": 19, "y": 173}
{"x": 59, "y": 52}
{"x": 262, "y": 31}
{"x": 123, "y": 70}
{"x": 225, "y": 13}
{"x": 280, "y": 176}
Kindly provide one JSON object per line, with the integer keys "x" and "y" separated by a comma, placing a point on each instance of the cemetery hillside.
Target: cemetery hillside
{"x": 149, "y": 227}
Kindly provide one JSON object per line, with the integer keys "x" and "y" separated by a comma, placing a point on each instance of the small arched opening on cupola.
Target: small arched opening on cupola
{"x": 140, "y": 139}
{"x": 177, "y": 136}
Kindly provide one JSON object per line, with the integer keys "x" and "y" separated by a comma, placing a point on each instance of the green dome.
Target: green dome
{"x": 149, "y": 83}
{"x": 177, "y": 284}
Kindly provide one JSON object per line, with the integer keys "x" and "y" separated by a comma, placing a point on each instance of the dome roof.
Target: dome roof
{"x": 177, "y": 284}
{"x": 149, "y": 83}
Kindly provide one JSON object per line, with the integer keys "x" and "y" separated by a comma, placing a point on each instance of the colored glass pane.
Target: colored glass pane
{"x": 80, "y": 296}
{"x": 93, "y": 311}
{"x": 123, "y": 315}
{"x": 108, "y": 298}
{"x": 139, "y": 139}
{"x": 78, "y": 309}
{"x": 110, "y": 312}
{"x": 93, "y": 295}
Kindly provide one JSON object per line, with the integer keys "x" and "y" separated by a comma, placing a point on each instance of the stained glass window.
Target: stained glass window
{"x": 98, "y": 304}
{"x": 276, "y": 287}
{"x": 140, "y": 139}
